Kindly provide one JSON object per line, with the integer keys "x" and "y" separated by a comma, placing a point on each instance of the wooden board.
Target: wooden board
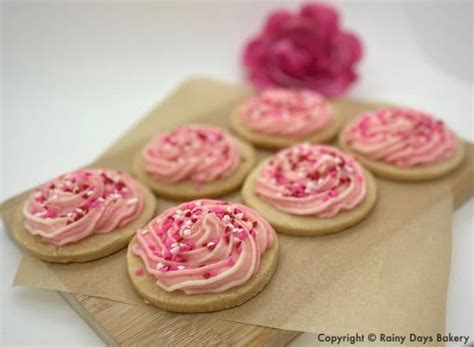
{"x": 123, "y": 324}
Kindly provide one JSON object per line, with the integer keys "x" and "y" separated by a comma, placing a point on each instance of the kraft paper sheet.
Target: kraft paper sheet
{"x": 387, "y": 274}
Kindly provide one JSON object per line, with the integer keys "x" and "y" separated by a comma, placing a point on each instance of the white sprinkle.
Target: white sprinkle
{"x": 145, "y": 231}
{"x": 301, "y": 174}
{"x": 236, "y": 239}
{"x": 70, "y": 215}
{"x": 175, "y": 250}
{"x": 132, "y": 201}
{"x": 320, "y": 181}
{"x": 101, "y": 199}
{"x": 40, "y": 214}
{"x": 181, "y": 267}
{"x": 349, "y": 169}
{"x": 90, "y": 192}
{"x": 236, "y": 230}
{"x": 38, "y": 194}
{"x": 198, "y": 203}
{"x": 79, "y": 210}
{"x": 211, "y": 243}
{"x": 239, "y": 215}
{"x": 228, "y": 209}
{"x": 159, "y": 266}
{"x": 174, "y": 244}
{"x": 179, "y": 212}
{"x": 185, "y": 232}
{"x": 54, "y": 197}
{"x": 338, "y": 160}
{"x": 226, "y": 219}
{"x": 310, "y": 185}
{"x": 115, "y": 196}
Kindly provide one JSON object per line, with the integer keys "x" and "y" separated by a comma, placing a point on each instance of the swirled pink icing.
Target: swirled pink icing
{"x": 82, "y": 203}
{"x": 313, "y": 180}
{"x": 203, "y": 246}
{"x": 195, "y": 152}
{"x": 286, "y": 112}
{"x": 401, "y": 137}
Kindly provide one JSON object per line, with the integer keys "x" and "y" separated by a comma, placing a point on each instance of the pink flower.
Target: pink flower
{"x": 307, "y": 50}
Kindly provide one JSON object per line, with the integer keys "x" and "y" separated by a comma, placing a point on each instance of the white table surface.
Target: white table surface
{"x": 76, "y": 75}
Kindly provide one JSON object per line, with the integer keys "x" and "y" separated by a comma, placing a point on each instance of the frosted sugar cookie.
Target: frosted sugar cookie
{"x": 279, "y": 118}
{"x": 83, "y": 215}
{"x": 310, "y": 190}
{"x": 194, "y": 161}
{"x": 202, "y": 256}
{"x": 403, "y": 144}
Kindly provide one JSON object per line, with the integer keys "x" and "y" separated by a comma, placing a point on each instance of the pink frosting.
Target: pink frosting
{"x": 402, "y": 137}
{"x": 82, "y": 203}
{"x": 195, "y": 152}
{"x": 313, "y": 180}
{"x": 286, "y": 112}
{"x": 203, "y": 246}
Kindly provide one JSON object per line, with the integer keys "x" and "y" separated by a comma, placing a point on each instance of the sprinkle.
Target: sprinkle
{"x": 185, "y": 232}
{"x": 41, "y": 214}
{"x": 210, "y": 273}
{"x": 239, "y": 215}
{"x": 326, "y": 198}
{"x": 139, "y": 272}
{"x": 54, "y": 197}
{"x": 181, "y": 267}
{"x": 79, "y": 210}
{"x": 243, "y": 235}
{"x": 144, "y": 231}
{"x": 211, "y": 245}
{"x": 179, "y": 212}
{"x": 159, "y": 266}
{"x": 174, "y": 250}
{"x": 90, "y": 193}
{"x": 132, "y": 201}
{"x": 198, "y": 203}
{"x": 226, "y": 219}
{"x": 349, "y": 169}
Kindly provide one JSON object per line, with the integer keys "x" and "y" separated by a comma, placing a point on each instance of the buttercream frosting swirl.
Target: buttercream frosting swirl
{"x": 195, "y": 152}
{"x": 203, "y": 246}
{"x": 78, "y": 204}
{"x": 311, "y": 180}
{"x": 286, "y": 112}
{"x": 401, "y": 137}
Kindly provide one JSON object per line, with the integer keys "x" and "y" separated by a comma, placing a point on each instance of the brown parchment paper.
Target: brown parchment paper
{"x": 387, "y": 274}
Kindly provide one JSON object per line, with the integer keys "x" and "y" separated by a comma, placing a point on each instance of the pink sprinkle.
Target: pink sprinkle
{"x": 165, "y": 268}
{"x": 152, "y": 247}
{"x": 210, "y": 273}
{"x": 168, "y": 243}
{"x": 359, "y": 178}
{"x": 167, "y": 225}
{"x": 95, "y": 203}
{"x": 333, "y": 173}
{"x": 230, "y": 261}
{"x": 243, "y": 235}
{"x": 139, "y": 272}
{"x": 191, "y": 243}
{"x": 326, "y": 198}
{"x": 333, "y": 193}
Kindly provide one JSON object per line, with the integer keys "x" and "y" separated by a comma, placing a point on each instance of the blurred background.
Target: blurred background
{"x": 77, "y": 74}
